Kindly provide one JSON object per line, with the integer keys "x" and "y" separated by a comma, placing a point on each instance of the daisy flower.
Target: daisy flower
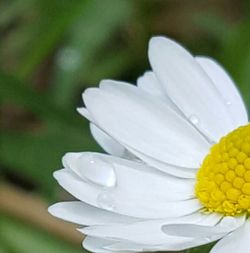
{"x": 177, "y": 172}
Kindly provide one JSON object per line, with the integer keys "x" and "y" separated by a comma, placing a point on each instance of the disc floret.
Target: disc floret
{"x": 223, "y": 181}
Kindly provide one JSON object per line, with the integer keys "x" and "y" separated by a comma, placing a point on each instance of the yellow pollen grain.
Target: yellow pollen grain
{"x": 223, "y": 180}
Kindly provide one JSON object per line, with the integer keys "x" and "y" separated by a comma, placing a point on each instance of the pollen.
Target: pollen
{"x": 223, "y": 180}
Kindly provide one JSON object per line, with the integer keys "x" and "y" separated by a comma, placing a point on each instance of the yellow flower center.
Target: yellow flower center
{"x": 223, "y": 181}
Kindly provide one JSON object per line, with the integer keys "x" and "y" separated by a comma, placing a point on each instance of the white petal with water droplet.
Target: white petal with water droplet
{"x": 140, "y": 191}
{"x": 150, "y": 126}
{"x": 106, "y": 201}
{"x": 227, "y": 90}
{"x": 189, "y": 87}
{"x": 97, "y": 171}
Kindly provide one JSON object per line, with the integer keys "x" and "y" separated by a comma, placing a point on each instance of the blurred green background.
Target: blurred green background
{"x": 51, "y": 50}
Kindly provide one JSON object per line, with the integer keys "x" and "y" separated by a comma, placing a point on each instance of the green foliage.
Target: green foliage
{"x": 236, "y": 56}
{"x": 55, "y": 18}
{"x": 89, "y": 34}
{"x": 51, "y": 50}
{"x": 16, "y": 237}
{"x": 201, "y": 249}
{"x": 38, "y": 153}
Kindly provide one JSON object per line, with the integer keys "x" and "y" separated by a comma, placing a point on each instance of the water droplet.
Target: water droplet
{"x": 194, "y": 119}
{"x": 106, "y": 201}
{"x": 97, "y": 170}
{"x": 228, "y": 103}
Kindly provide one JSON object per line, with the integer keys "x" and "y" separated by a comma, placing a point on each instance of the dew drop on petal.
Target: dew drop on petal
{"x": 228, "y": 103}
{"x": 194, "y": 119}
{"x": 97, "y": 170}
{"x": 106, "y": 201}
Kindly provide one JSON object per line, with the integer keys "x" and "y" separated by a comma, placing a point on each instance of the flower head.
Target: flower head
{"x": 177, "y": 172}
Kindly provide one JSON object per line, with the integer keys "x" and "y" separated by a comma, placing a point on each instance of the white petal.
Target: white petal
{"x": 169, "y": 169}
{"x": 198, "y": 230}
{"x": 110, "y": 145}
{"x": 97, "y": 245}
{"x": 127, "y": 246}
{"x": 84, "y": 214}
{"x": 227, "y": 89}
{"x": 181, "y": 244}
{"x": 238, "y": 241}
{"x": 127, "y": 174}
{"x": 189, "y": 87}
{"x": 139, "y": 191}
{"x": 173, "y": 245}
{"x": 85, "y": 113}
{"x": 146, "y": 232}
{"x": 136, "y": 119}
{"x": 149, "y": 83}
{"x": 97, "y": 171}
{"x": 148, "y": 235}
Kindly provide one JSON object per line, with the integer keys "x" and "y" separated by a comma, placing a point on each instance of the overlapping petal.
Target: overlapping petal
{"x": 227, "y": 90}
{"x": 119, "y": 185}
{"x": 141, "y": 197}
{"x": 190, "y": 88}
{"x": 139, "y": 121}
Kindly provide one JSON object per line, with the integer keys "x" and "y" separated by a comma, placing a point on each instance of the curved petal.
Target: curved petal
{"x": 83, "y": 214}
{"x": 148, "y": 236}
{"x": 110, "y": 145}
{"x": 94, "y": 244}
{"x": 238, "y": 241}
{"x": 226, "y": 225}
{"x": 173, "y": 245}
{"x": 85, "y": 113}
{"x": 135, "y": 119}
{"x": 149, "y": 83}
{"x": 110, "y": 199}
{"x": 125, "y": 173}
{"x": 189, "y": 87}
{"x": 162, "y": 195}
{"x": 147, "y": 232}
{"x": 176, "y": 171}
{"x": 227, "y": 89}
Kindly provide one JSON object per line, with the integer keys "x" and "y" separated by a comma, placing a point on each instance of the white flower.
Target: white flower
{"x": 171, "y": 182}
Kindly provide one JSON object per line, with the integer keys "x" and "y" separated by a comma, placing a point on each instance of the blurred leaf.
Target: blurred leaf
{"x": 90, "y": 33}
{"x": 112, "y": 64}
{"x": 2, "y": 250}
{"x": 236, "y": 57}
{"x": 212, "y": 23}
{"x": 13, "y": 90}
{"x": 21, "y": 238}
{"x": 10, "y": 10}
{"x": 55, "y": 18}
{"x": 201, "y": 249}
{"x": 38, "y": 153}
